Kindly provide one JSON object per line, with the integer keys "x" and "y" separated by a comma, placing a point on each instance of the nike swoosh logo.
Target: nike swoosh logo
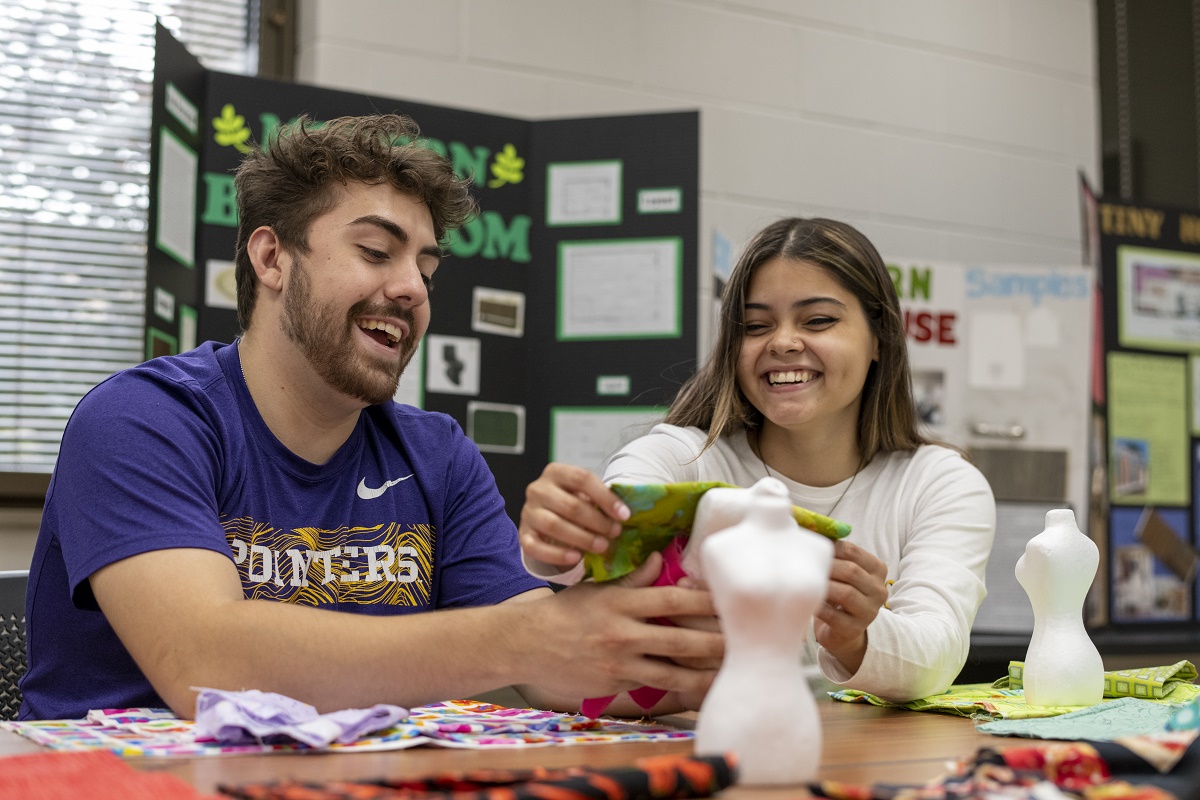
{"x": 367, "y": 493}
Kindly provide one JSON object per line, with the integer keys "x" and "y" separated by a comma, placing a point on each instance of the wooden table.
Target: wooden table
{"x": 862, "y": 744}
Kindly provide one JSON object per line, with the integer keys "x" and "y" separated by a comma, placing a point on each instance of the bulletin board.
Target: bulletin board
{"x": 1000, "y": 360}
{"x": 573, "y": 290}
{"x": 1147, "y": 413}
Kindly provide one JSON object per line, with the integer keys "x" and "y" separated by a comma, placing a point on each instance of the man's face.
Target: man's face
{"x": 357, "y": 305}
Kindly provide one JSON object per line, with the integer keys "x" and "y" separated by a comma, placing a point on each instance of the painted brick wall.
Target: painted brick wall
{"x": 944, "y": 129}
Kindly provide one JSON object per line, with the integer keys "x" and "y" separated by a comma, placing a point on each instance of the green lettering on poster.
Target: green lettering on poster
{"x": 912, "y": 283}
{"x": 489, "y": 237}
{"x": 511, "y": 242}
{"x": 220, "y": 200}
{"x": 469, "y": 162}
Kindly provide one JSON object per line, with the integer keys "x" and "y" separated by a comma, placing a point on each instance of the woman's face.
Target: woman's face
{"x": 806, "y": 348}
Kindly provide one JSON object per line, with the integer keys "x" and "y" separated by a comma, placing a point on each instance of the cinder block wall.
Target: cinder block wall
{"x": 945, "y": 129}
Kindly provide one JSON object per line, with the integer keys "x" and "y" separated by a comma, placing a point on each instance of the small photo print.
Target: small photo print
{"x": 1158, "y": 298}
{"x": 498, "y": 311}
{"x": 1130, "y": 466}
{"x": 929, "y": 392}
{"x": 452, "y": 364}
{"x": 1143, "y": 587}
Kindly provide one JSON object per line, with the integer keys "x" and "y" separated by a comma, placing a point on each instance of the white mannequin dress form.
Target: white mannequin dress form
{"x": 767, "y": 576}
{"x": 1062, "y": 667}
{"x": 718, "y": 509}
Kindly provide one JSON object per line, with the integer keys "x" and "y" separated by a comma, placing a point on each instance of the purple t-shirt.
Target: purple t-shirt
{"x": 405, "y": 517}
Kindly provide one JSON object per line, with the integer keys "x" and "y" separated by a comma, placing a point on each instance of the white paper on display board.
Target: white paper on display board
{"x": 584, "y": 193}
{"x": 588, "y": 437}
{"x": 622, "y": 289}
{"x": 177, "y": 168}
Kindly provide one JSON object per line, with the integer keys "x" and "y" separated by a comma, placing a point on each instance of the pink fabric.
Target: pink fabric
{"x": 647, "y": 696}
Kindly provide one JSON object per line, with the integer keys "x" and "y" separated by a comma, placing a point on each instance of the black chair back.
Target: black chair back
{"x": 12, "y": 640}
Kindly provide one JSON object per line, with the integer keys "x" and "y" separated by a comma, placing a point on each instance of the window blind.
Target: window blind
{"x": 75, "y": 82}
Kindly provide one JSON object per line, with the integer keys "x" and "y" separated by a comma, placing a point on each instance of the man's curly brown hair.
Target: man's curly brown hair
{"x": 291, "y": 182}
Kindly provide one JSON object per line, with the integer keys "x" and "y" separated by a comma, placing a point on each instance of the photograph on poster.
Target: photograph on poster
{"x": 1143, "y": 588}
{"x": 1159, "y": 298}
{"x": 498, "y": 311}
{"x": 496, "y": 427}
{"x": 220, "y": 284}
{"x": 929, "y": 387}
{"x": 1130, "y": 466}
{"x": 452, "y": 364}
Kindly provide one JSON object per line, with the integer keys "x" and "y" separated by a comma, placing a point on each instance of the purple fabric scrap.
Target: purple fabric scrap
{"x": 253, "y": 716}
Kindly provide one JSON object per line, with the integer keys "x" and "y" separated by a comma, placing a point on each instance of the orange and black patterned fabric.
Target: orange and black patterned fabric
{"x": 1076, "y": 770}
{"x": 654, "y": 778}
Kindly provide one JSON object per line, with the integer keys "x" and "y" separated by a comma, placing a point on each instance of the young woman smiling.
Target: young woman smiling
{"x": 809, "y": 383}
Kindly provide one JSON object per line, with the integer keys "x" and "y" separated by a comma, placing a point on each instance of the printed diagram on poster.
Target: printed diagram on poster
{"x": 620, "y": 289}
{"x": 177, "y": 168}
{"x": 1147, "y": 411}
{"x": 1159, "y": 299}
{"x": 498, "y": 311}
{"x": 589, "y": 436}
{"x": 1143, "y": 587}
{"x": 452, "y": 364}
{"x": 496, "y": 427}
{"x": 411, "y": 389}
{"x": 220, "y": 284}
{"x": 583, "y": 193}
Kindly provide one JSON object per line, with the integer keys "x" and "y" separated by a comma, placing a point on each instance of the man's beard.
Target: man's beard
{"x": 327, "y": 340}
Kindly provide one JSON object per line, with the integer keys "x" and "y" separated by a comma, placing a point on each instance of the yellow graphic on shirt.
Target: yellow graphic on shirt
{"x": 387, "y": 564}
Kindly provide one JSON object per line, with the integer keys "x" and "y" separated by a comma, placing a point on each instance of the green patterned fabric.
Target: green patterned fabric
{"x": 1106, "y": 722}
{"x": 1147, "y": 683}
{"x": 996, "y": 701}
{"x": 662, "y": 511}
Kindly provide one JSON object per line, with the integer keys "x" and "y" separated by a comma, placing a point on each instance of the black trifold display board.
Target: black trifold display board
{"x": 574, "y": 291}
{"x": 1147, "y": 429}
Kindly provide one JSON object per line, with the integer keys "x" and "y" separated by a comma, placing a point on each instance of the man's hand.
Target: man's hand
{"x": 597, "y": 638}
{"x": 857, "y": 590}
{"x": 568, "y": 511}
{"x": 712, "y": 624}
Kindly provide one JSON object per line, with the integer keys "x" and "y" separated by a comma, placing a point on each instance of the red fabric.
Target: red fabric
{"x": 647, "y": 696}
{"x": 96, "y": 775}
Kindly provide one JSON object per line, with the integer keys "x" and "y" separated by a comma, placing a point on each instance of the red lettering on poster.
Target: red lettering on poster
{"x": 936, "y": 327}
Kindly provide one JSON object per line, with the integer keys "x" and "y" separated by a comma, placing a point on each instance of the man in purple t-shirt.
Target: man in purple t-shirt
{"x": 262, "y": 515}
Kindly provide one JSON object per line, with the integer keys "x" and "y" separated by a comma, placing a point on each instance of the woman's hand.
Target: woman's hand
{"x": 857, "y": 590}
{"x": 568, "y": 511}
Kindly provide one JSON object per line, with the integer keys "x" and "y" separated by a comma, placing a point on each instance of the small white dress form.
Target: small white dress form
{"x": 1062, "y": 666}
{"x": 767, "y": 576}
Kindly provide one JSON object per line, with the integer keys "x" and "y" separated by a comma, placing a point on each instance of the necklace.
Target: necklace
{"x": 757, "y": 449}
